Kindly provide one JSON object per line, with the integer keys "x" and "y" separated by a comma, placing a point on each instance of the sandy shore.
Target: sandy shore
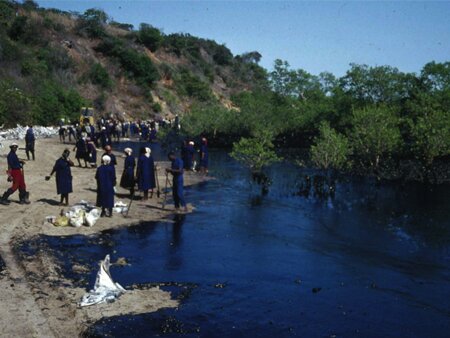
{"x": 33, "y": 306}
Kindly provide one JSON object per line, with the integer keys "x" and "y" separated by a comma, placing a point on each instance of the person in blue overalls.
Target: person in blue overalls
{"x": 81, "y": 151}
{"x": 29, "y": 142}
{"x": 63, "y": 177}
{"x": 106, "y": 181}
{"x": 127, "y": 180}
{"x": 176, "y": 169}
{"x": 145, "y": 173}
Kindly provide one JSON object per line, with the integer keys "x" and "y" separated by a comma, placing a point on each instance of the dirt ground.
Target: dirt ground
{"x": 34, "y": 306}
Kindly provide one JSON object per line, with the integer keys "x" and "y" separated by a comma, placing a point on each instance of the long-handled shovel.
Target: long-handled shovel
{"x": 158, "y": 192}
{"x": 129, "y": 204}
{"x": 165, "y": 191}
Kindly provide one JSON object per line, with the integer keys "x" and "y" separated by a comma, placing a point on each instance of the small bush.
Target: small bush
{"x": 156, "y": 107}
{"x": 256, "y": 152}
{"x": 15, "y": 105}
{"x": 55, "y": 58}
{"x": 150, "y": 37}
{"x": 124, "y": 26}
{"x": 330, "y": 149}
{"x": 190, "y": 85}
{"x": 6, "y": 13}
{"x": 222, "y": 55}
{"x": 18, "y": 27}
{"x": 92, "y": 23}
{"x": 33, "y": 67}
{"x": 9, "y": 50}
{"x": 137, "y": 65}
{"x": 99, "y": 76}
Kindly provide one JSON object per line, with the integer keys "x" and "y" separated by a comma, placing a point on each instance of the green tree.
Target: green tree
{"x": 375, "y": 135}
{"x": 381, "y": 84}
{"x": 255, "y": 152}
{"x": 431, "y": 136}
{"x": 296, "y": 83}
{"x": 211, "y": 120}
{"x": 330, "y": 149}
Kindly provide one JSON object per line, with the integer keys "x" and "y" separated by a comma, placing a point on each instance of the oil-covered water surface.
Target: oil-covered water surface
{"x": 372, "y": 262}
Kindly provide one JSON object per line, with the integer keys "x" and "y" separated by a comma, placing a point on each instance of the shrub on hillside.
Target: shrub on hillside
{"x": 98, "y": 75}
{"x": 137, "y": 65}
{"x": 28, "y": 30}
{"x": 124, "y": 26}
{"x": 9, "y": 50}
{"x": 150, "y": 37}
{"x": 7, "y": 13}
{"x": 92, "y": 23}
{"x": 222, "y": 55}
{"x": 15, "y": 105}
{"x": 32, "y": 67}
{"x": 55, "y": 58}
{"x": 190, "y": 85}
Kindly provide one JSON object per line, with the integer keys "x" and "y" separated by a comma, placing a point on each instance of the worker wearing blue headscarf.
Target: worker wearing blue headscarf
{"x": 145, "y": 172}
{"x": 176, "y": 169}
{"x": 63, "y": 177}
{"x": 106, "y": 181}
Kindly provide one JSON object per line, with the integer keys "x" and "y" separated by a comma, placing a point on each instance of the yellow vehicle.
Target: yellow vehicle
{"x": 86, "y": 116}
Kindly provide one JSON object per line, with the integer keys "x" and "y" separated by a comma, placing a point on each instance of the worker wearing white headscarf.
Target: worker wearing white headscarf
{"x": 106, "y": 181}
{"x": 145, "y": 173}
{"x": 127, "y": 180}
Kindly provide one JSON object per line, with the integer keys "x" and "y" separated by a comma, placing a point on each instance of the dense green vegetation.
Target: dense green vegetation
{"x": 368, "y": 121}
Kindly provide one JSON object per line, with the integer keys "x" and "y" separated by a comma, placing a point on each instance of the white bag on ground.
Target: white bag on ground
{"x": 105, "y": 289}
{"x": 92, "y": 217}
{"x": 120, "y": 207}
{"x": 76, "y": 217}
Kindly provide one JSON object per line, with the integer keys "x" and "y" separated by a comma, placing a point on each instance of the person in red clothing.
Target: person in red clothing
{"x": 15, "y": 174}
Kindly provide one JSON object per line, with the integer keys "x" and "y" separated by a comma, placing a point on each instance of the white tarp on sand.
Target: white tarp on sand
{"x": 105, "y": 289}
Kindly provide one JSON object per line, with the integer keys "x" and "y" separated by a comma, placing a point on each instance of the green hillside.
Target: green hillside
{"x": 53, "y": 62}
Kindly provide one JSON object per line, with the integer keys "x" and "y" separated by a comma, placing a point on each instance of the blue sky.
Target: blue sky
{"x": 316, "y": 36}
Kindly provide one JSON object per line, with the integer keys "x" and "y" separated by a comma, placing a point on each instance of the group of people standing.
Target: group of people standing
{"x": 188, "y": 155}
{"x": 142, "y": 172}
{"x": 107, "y": 130}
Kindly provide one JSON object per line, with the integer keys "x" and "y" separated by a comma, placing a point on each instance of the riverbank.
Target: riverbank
{"x": 37, "y": 302}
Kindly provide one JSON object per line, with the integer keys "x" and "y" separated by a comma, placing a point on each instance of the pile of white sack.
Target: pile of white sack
{"x": 19, "y": 132}
{"x": 80, "y": 214}
{"x": 83, "y": 213}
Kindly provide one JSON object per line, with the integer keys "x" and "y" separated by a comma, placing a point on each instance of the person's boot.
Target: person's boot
{"x": 4, "y": 199}
{"x": 145, "y": 195}
{"x": 110, "y": 210}
{"x": 24, "y": 197}
{"x": 103, "y": 213}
